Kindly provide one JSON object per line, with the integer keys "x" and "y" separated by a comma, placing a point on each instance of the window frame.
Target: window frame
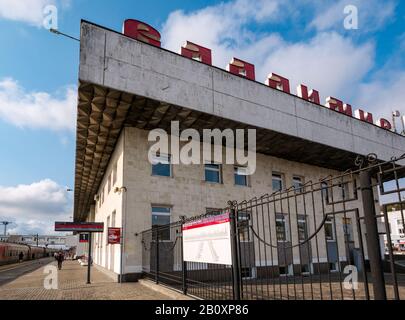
{"x": 169, "y": 214}
{"x": 168, "y": 158}
{"x": 279, "y": 178}
{"x": 235, "y": 175}
{"x": 219, "y": 170}
{"x": 305, "y": 221}
{"x": 286, "y": 229}
{"x": 300, "y": 189}
{"x": 331, "y": 222}
{"x": 115, "y": 173}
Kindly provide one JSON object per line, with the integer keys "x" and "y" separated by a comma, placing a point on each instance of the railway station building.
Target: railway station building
{"x": 129, "y": 86}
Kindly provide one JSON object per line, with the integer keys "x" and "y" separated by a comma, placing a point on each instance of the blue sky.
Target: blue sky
{"x": 303, "y": 40}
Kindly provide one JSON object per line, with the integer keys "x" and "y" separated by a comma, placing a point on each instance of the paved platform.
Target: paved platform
{"x": 71, "y": 286}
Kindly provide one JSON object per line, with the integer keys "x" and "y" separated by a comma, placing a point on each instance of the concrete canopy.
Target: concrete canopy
{"x": 124, "y": 82}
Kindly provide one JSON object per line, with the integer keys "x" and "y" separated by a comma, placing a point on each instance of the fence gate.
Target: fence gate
{"x": 318, "y": 240}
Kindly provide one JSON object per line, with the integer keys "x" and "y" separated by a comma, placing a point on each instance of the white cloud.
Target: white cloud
{"x": 222, "y": 28}
{"x": 37, "y": 109}
{"x": 34, "y": 208}
{"x": 372, "y": 14}
{"x": 328, "y": 61}
{"x": 29, "y": 11}
{"x": 384, "y": 95}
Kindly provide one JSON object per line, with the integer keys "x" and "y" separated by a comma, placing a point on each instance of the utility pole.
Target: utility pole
{"x": 5, "y": 223}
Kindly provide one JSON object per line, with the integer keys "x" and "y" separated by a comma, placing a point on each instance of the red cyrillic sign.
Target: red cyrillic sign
{"x": 143, "y": 32}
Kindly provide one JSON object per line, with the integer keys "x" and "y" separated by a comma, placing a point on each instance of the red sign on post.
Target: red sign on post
{"x": 114, "y": 235}
{"x": 79, "y": 226}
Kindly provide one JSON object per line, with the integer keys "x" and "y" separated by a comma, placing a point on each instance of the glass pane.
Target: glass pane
{"x": 325, "y": 191}
{"x": 211, "y": 176}
{"x": 277, "y": 185}
{"x": 161, "y": 210}
{"x": 280, "y": 230}
{"x": 161, "y": 169}
{"x": 329, "y": 231}
{"x": 302, "y": 232}
{"x": 297, "y": 184}
{"x": 240, "y": 180}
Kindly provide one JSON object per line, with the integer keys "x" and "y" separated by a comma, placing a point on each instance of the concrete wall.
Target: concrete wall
{"x": 188, "y": 194}
{"x": 115, "y": 61}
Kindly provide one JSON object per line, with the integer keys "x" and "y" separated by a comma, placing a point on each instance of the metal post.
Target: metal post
{"x": 37, "y": 239}
{"x": 157, "y": 256}
{"x": 184, "y": 264}
{"x": 372, "y": 238}
{"x": 235, "y": 256}
{"x": 89, "y": 260}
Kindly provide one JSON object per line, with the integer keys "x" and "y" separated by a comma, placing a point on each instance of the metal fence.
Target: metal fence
{"x": 319, "y": 240}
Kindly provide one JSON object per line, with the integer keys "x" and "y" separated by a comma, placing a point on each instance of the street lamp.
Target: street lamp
{"x": 58, "y": 33}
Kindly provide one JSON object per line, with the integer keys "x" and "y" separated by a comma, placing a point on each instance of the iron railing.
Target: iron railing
{"x": 326, "y": 239}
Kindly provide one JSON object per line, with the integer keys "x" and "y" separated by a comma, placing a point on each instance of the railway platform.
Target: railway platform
{"x": 71, "y": 285}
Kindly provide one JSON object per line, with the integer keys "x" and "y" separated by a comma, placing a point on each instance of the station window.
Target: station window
{"x": 243, "y": 225}
{"x": 329, "y": 230}
{"x": 161, "y": 165}
{"x": 213, "y": 211}
{"x": 302, "y": 228}
{"x": 277, "y": 182}
{"x": 286, "y": 270}
{"x": 344, "y": 189}
{"x": 325, "y": 191}
{"x": 241, "y": 178}
{"x": 213, "y": 173}
{"x": 161, "y": 217}
{"x": 298, "y": 184}
{"x": 282, "y": 228}
{"x": 115, "y": 174}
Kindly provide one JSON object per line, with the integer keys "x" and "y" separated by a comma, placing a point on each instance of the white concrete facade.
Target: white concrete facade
{"x": 128, "y": 191}
{"x": 186, "y": 193}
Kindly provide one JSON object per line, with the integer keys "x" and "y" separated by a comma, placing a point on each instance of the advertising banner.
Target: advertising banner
{"x": 208, "y": 240}
{"x": 79, "y": 226}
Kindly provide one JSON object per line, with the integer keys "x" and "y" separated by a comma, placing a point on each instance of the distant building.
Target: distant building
{"x": 396, "y": 223}
{"x": 56, "y": 242}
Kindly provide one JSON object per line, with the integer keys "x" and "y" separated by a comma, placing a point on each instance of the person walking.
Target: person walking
{"x": 60, "y": 257}
{"x": 20, "y": 257}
